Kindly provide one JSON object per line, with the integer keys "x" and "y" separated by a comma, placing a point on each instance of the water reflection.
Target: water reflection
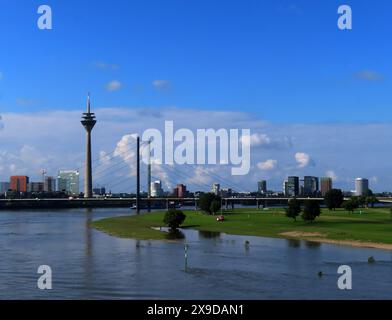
{"x": 174, "y": 234}
{"x": 294, "y": 243}
{"x": 312, "y": 244}
{"x": 209, "y": 234}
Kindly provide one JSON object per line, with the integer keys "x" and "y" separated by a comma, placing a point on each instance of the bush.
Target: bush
{"x": 174, "y": 218}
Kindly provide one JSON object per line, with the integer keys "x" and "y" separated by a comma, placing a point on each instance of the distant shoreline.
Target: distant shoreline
{"x": 18, "y": 204}
{"x": 317, "y": 237}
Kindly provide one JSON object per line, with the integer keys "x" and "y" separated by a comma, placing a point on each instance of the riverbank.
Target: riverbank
{"x": 370, "y": 228}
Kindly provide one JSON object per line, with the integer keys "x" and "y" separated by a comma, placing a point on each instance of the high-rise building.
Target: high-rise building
{"x": 226, "y": 192}
{"x": 50, "y": 184}
{"x": 68, "y": 181}
{"x": 311, "y": 186}
{"x": 325, "y": 185}
{"x": 99, "y": 191}
{"x": 284, "y": 187}
{"x": 19, "y": 183}
{"x": 262, "y": 186}
{"x": 215, "y": 189}
{"x": 179, "y": 191}
{"x": 4, "y": 187}
{"x": 36, "y": 186}
{"x": 292, "y": 186}
{"x": 156, "y": 189}
{"x": 361, "y": 186}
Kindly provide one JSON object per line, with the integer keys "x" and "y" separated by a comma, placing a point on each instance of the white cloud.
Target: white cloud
{"x": 267, "y": 165}
{"x": 373, "y": 180}
{"x": 113, "y": 85}
{"x": 105, "y": 66}
{"x": 57, "y": 139}
{"x": 26, "y": 102}
{"x": 369, "y": 75}
{"x": 256, "y": 139}
{"x": 264, "y": 140}
{"x": 303, "y": 159}
{"x": 331, "y": 174}
{"x": 161, "y": 84}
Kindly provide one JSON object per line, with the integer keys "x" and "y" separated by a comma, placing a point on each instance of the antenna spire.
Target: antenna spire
{"x": 88, "y": 102}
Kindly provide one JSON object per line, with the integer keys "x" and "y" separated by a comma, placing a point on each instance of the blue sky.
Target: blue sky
{"x": 308, "y": 91}
{"x": 281, "y": 60}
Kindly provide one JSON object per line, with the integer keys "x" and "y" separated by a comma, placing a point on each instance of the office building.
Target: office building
{"x": 292, "y": 186}
{"x": 179, "y": 191}
{"x": 325, "y": 185}
{"x": 216, "y": 189}
{"x": 68, "y": 181}
{"x": 262, "y": 186}
{"x": 50, "y": 184}
{"x": 284, "y": 187}
{"x": 4, "y": 187}
{"x": 19, "y": 183}
{"x": 156, "y": 189}
{"x": 361, "y": 186}
{"x": 311, "y": 186}
{"x": 99, "y": 191}
{"x": 36, "y": 186}
{"x": 226, "y": 192}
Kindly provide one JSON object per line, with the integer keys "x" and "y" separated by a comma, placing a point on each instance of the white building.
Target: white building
{"x": 156, "y": 189}
{"x": 215, "y": 189}
{"x": 361, "y": 186}
{"x": 68, "y": 181}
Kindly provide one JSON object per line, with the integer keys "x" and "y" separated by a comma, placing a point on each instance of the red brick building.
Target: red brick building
{"x": 19, "y": 183}
{"x": 179, "y": 191}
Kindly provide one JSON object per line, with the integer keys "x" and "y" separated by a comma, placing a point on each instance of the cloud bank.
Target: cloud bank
{"x": 54, "y": 140}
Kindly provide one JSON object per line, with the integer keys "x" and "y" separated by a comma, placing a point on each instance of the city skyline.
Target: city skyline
{"x": 69, "y": 181}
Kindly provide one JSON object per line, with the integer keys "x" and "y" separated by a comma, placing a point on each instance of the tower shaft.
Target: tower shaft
{"x": 88, "y": 183}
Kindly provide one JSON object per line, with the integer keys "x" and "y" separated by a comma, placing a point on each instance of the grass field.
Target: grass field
{"x": 370, "y": 228}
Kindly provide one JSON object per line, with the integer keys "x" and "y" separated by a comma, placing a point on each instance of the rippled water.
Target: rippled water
{"x": 89, "y": 264}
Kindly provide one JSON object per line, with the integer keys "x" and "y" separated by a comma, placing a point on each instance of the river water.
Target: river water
{"x": 88, "y": 264}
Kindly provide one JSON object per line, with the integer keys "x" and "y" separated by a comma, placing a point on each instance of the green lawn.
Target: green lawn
{"x": 373, "y": 225}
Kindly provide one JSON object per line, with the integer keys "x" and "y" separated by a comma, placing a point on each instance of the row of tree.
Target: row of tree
{"x": 334, "y": 199}
{"x": 310, "y": 212}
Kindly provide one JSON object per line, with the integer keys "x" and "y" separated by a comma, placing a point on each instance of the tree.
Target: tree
{"x": 351, "y": 205}
{"x": 215, "y": 206}
{"x": 333, "y": 199}
{"x": 174, "y": 218}
{"x": 205, "y": 202}
{"x": 294, "y": 209}
{"x": 371, "y": 200}
{"x": 311, "y": 210}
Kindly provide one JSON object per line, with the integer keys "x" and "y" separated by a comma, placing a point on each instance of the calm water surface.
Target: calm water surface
{"x": 89, "y": 264}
